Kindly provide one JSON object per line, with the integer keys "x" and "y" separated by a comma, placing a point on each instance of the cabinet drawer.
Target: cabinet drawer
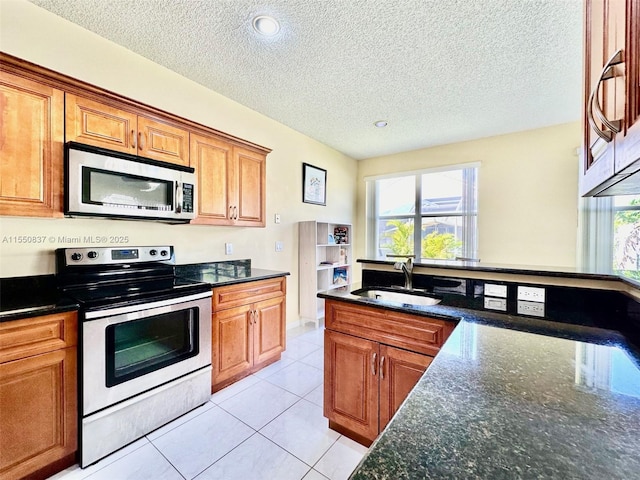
{"x": 36, "y": 335}
{"x": 250, "y": 292}
{"x": 410, "y": 332}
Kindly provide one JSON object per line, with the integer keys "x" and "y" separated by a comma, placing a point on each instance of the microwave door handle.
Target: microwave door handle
{"x": 178, "y": 208}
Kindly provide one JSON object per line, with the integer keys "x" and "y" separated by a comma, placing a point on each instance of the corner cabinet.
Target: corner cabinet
{"x": 611, "y": 141}
{"x": 248, "y": 329}
{"x": 373, "y": 359}
{"x": 324, "y": 263}
{"x": 231, "y": 182}
{"x": 38, "y": 395}
{"x": 31, "y": 149}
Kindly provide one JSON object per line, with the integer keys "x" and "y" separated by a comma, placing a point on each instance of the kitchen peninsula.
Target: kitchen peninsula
{"x": 515, "y": 395}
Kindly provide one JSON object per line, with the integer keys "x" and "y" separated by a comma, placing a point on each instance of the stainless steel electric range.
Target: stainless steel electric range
{"x": 145, "y": 342}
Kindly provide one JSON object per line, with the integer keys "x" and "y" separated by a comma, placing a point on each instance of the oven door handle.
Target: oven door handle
{"x": 145, "y": 306}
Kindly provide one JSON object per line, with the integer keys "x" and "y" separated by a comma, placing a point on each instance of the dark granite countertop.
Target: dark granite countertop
{"x": 512, "y": 396}
{"x": 24, "y": 297}
{"x": 218, "y": 274}
{"x": 536, "y": 270}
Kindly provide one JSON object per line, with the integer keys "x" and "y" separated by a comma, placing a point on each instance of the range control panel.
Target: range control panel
{"x": 114, "y": 255}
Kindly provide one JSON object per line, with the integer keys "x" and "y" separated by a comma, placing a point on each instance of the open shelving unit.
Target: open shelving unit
{"x": 324, "y": 263}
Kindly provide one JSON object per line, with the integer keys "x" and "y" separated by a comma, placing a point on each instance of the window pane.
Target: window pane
{"x": 396, "y": 196}
{"x": 626, "y": 242}
{"x": 442, "y": 192}
{"x": 442, "y": 237}
{"x": 395, "y": 237}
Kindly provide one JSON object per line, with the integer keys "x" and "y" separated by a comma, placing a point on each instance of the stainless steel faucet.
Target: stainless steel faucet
{"x": 407, "y": 269}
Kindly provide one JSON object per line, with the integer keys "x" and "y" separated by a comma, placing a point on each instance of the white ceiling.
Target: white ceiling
{"x": 440, "y": 71}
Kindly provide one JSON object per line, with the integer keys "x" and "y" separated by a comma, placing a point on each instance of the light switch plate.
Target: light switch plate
{"x": 279, "y": 246}
{"x": 493, "y": 290}
{"x": 491, "y": 303}
{"x": 228, "y": 248}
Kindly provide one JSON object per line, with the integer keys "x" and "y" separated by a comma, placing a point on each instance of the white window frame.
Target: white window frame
{"x": 469, "y": 213}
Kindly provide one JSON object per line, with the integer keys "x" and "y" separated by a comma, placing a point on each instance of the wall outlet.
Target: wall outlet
{"x": 228, "y": 248}
{"x": 530, "y": 308}
{"x": 493, "y": 290}
{"x": 279, "y": 246}
{"x": 531, "y": 294}
{"x": 495, "y": 304}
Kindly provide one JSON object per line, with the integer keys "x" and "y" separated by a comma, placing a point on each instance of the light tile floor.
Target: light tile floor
{"x": 268, "y": 426}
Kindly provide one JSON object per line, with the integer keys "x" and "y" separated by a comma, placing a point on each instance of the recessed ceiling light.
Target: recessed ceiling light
{"x": 381, "y": 123}
{"x": 265, "y": 25}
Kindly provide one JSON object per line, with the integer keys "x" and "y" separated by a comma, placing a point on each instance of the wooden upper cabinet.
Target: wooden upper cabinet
{"x": 31, "y": 147}
{"x": 213, "y": 161}
{"x": 108, "y": 126}
{"x": 231, "y": 182}
{"x": 611, "y": 93}
{"x": 163, "y": 142}
{"x": 97, "y": 124}
{"x": 251, "y": 198}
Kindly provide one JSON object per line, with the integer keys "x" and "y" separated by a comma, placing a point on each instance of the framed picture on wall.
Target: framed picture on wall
{"x": 314, "y": 185}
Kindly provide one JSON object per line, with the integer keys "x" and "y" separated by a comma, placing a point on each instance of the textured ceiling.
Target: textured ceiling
{"x": 440, "y": 71}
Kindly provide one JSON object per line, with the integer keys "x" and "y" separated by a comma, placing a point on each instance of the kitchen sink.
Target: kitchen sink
{"x": 401, "y": 295}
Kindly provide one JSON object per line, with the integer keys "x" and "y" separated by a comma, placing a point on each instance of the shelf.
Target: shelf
{"x": 316, "y": 244}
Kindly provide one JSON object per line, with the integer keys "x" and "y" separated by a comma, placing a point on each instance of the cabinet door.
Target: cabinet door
{"x": 351, "y": 383}
{"x": 400, "y": 370}
{"x": 232, "y": 343}
{"x": 269, "y": 330}
{"x": 251, "y": 177}
{"x": 31, "y": 147}
{"x": 38, "y": 412}
{"x": 101, "y": 125}
{"x": 213, "y": 161}
{"x": 163, "y": 142}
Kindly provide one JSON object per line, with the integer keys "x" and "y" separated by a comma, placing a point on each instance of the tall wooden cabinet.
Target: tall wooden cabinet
{"x": 113, "y": 127}
{"x": 324, "y": 263}
{"x": 373, "y": 359}
{"x": 232, "y": 182}
{"x": 38, "y": 395}
{"x": 611, "y": 145}
{"x": 248, "y": 329}
{"x": 31, "y": 147}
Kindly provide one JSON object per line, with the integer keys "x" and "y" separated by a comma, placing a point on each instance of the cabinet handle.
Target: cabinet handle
{"x": 252, "y": 317}
{"x": 235, "y": 213}
{"x": 133, "y": 139}
{"x": 382, "y": 367}
{"x": 141, "y": 141}
{"x": 613, "y": 126}
{"x": 373, "y": 364}
{"x": 255, "y": 317}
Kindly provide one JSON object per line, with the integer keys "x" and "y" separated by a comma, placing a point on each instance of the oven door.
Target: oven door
{"x": 130, "y": 350}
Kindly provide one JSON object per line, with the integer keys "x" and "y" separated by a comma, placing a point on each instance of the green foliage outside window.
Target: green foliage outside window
{"x": 434, "y": 245}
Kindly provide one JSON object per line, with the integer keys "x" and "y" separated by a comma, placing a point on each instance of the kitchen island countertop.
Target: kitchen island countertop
{"x": 514, "y": 397}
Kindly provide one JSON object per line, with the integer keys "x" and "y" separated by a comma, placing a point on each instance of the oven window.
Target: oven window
{"x": 142, "y": 346}
{"x": 102, "y": 187}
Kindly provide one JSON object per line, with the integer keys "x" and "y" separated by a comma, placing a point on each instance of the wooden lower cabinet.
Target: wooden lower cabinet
{"x": 365, "y": 383}
{"x": 368, "y": 367}
{"x": 38, "y": 396}
{"x": 247, "y": 336}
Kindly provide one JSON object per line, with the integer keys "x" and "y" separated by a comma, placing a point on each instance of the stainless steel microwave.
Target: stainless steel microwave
{"x": 104, "y": 183}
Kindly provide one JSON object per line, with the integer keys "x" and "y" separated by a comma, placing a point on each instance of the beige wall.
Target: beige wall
{"x": 528, "y": 190}
{"x": 36, "y": 35}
